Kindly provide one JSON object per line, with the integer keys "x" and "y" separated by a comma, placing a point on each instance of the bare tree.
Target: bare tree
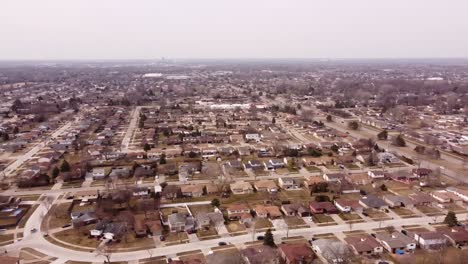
{"x": 105, "y": 250}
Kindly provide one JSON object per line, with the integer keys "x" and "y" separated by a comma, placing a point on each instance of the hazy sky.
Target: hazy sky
{"x": 147, "y": 29}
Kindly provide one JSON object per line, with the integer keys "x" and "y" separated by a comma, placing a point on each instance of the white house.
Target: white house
{"x": 253, "y": 137}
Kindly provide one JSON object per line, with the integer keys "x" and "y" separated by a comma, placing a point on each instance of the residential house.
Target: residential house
{"x": 269, "y": 211}
{"x": 322, "y": 208}
{"x": 192, "y": 190}
{"x": 236, "y": 211}
{"x": 420, "y": 198}
{"x": 398, "y": 201}
{"x": 376, "y": 175}
{"x": 457, "y": 235}
{"x": 266, "y": 186}
{"x": 336, "y": 177}
{"x": 235, "y": 165}
{"x": 260, "y": 254}
{"x": 179, "y": 222}
{"x": 100, "y": 173}
{"x": 241, "y": 187}
{"x": 289, "y": 183}
{"x": 462, "y": 193}
{"x": 364, "y": 244}
{"x": 348, "y": 205}
{"x": 171, "y": 192}
{"x": 396, "y": 241}
{"x": 372, "y": 201}
{"x": 295, "y": 209}
{"x": 209, "y": 219}
{"x": 431, "y": 239}
{"x": 332, "y": 250}
{"x": 296, "y": 253}
{"x": 358, "y": 179}
{"x": 140, "y": 191}
{"x": 253, "y": 137}
{"x": 211, "y": 189}
{"x": 254, "y": 165}
{"x": 421, "y": 172}
{"x": 274, "y": 164}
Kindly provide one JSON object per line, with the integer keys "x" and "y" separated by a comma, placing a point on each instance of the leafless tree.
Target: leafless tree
{"x": 105, "y": 250}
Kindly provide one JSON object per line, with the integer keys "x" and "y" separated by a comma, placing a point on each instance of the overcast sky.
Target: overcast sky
{"x": 148, "y": 29}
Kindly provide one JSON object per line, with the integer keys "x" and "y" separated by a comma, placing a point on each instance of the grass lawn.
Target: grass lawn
{"x": 313, "y": 169}
{"x": 262, "y": 223}
{"x": 429, "y": 210}
{"x": 376, "y": 214}
{"x": 352, "y": 167}
{"x": 192, "y": 257}
{"x": 130, "y": 241}
{"x": 455, "y": 208}
{"x": 403, "y": 211}
{"x": 27, "y": 254}
{"x": 208, "y": 232}
{"x": 176, "y": 237}
{"x": 72, "y": 184}
{"x": 59, "y": 215}
{"x": 6, "y": 238}
{"x": 98, "y": 183}
{"x": 295, "y": 195}
{"x": 25, "y": 217}
{"x": 295, "y": 222}
{"x": 153, "y": 260}
{"x": 321, "y": 218}
{"x": 234, "y": 227}
{"x": 30, "y": 197}
{"x": 349, "y": 216}
{"x": 7, "y": 221}
{"x": 75, "y": 237}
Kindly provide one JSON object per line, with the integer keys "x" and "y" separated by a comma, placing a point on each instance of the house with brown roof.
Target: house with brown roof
{"x": 296, "y": 253}
{"x": 241, "y": 187}
{"x": 295, "y": 209}
{"x": 192, "y": 190}
{"x": 348, "y": 205}
{"x": 260, "y": 254}
{"x": 170, "y": 192}
{"x": 312, "y": 181}
{"x": 211, "y": 188}
{"x": 265, "y": 186}
{"x": 322, "y": 208}
{"x": 358, "y": 178}
{"x": 364, "y": 244}
{"x": 420, "y": 198}
{"x": 457, "y": 235}
{"x": 236, "y": 211}
{"x": 431, "y": 239}
{"x": 269, "y": 211}
{"x": 396, "y": 241}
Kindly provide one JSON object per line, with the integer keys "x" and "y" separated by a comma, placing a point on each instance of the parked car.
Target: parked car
{"x": 260, "y": 237}
{"x": 222, "y": 244}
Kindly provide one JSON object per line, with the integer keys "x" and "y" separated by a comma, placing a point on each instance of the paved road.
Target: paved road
{"x": 131, "y": 128}
{"x": 28, "y": 155}
{"x": 38, "y": 242}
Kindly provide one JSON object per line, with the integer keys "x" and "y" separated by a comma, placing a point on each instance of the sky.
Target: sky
{"x": 151, "y": 29}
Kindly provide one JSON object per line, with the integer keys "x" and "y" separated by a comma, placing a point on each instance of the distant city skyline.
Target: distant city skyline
{"x": 127, "y": 30}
